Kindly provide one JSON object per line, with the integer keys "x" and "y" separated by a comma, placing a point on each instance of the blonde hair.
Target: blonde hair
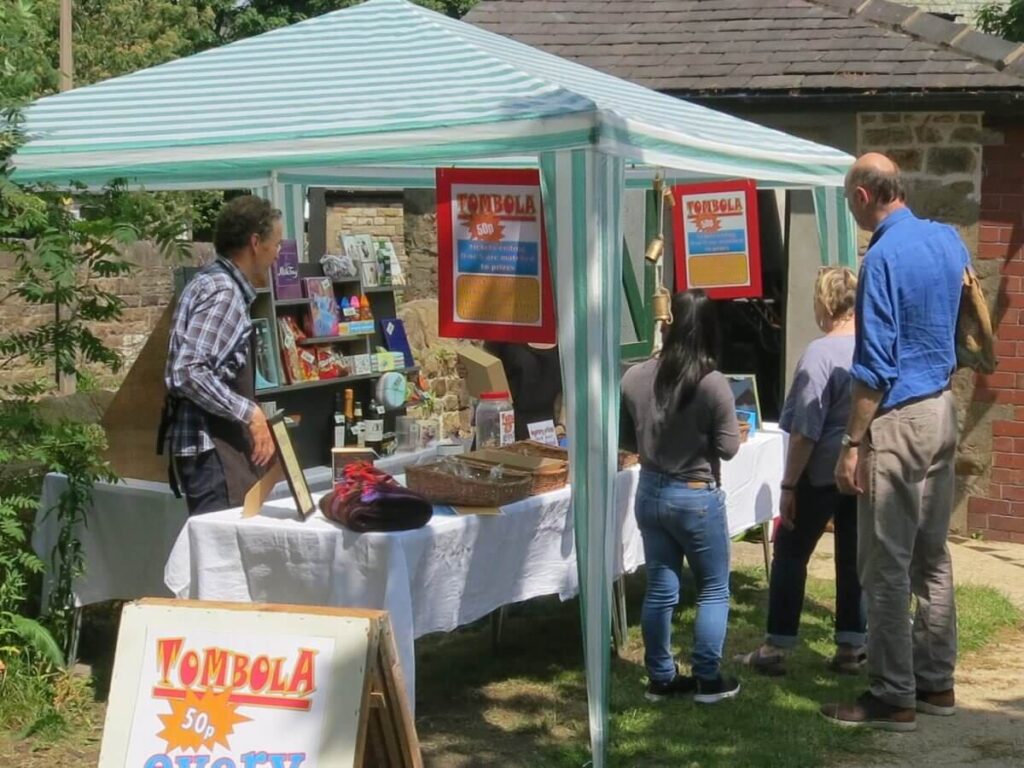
{"x": 836, "y": 291}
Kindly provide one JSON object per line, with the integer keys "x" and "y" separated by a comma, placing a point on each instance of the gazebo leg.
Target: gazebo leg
{"x": 766, "y": 535}
{"x": 620, "y": 628}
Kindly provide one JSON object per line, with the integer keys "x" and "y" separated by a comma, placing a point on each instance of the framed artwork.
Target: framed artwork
{"x": 290, "y": 464}
{"x": 744, "y": 392}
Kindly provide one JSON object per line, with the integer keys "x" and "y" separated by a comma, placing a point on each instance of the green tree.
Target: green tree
{"x": 1003, "y": 19}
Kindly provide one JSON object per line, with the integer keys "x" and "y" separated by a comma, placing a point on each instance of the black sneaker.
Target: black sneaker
{"x": 677, "y": 686}
{"x": 713, "y": 691}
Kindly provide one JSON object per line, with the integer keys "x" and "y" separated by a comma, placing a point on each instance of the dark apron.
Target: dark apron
{"x": 231, "y": 440}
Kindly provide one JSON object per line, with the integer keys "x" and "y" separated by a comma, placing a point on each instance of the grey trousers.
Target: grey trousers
{"x": 903, "y": 522}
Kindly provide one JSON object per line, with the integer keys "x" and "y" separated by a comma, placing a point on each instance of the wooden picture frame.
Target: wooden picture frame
{"x": 304, "y": 504}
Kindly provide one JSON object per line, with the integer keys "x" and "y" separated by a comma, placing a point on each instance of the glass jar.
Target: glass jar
{"x": 495, "y": 422}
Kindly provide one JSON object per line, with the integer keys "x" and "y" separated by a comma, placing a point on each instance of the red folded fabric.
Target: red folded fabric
{"x": 370, "y": 500}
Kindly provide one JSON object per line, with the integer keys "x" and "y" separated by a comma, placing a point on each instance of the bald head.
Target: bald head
{"x": 874, "y": 189}
{"x": 879, "y": 176}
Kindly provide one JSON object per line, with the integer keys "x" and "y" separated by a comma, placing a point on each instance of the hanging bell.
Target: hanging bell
{"x": 669, "y": 198}
{"x": 661, "y": 302}
{"x": 655, "y": 249}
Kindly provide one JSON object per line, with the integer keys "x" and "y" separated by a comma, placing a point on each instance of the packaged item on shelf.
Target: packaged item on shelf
{"x": 339, "y": 267}
{"x": 362, "y": 365}
{"x": 295, "y": 360}
{"x": 268, "y": 373}
{"x": 286, "y": 272}
{"x": 386, "y": 255}
{"x": 330, "y": 364}
{"x": 395, "y": 339}
{"x": 322, "y": 317}
{"x": 383, "y": 251}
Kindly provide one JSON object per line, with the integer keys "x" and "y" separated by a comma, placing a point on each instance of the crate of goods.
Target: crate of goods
{"x": 534, "y": 448}
{"x": 463, "y": 483}
{"x": 549, "y": 474}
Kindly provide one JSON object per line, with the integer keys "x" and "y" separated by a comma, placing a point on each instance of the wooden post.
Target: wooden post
{"x": 66, "y": 383}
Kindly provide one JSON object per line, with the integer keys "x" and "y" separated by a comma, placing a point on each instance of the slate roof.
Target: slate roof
{"x": 719, "y": 47}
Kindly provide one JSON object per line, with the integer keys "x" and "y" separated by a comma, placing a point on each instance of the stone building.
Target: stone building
{"x": 944, "y": 100}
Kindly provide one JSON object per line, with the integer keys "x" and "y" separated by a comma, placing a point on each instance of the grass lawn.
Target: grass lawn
{"x": 526, "y": 705}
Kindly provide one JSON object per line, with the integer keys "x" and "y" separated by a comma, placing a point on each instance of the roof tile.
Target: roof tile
{"x": 771, "y": 45}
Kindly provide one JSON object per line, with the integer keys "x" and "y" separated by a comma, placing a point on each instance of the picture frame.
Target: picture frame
{"x": 304, "y": 504}
{"x": 745, "y": 395}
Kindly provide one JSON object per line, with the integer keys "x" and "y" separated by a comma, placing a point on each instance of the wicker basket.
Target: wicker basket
{"x": 533, "y": 448}
{"x": 440, "y": 484}
{"x": 552, "y": 475}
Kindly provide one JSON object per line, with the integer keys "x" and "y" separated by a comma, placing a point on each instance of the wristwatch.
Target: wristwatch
{"x": 849, "y": 442}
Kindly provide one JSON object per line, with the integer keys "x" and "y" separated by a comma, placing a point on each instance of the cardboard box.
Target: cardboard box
{"x": 484, "y": 372}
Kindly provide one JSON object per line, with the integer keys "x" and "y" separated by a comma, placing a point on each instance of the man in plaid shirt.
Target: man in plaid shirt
{"x": 216, "y": 434}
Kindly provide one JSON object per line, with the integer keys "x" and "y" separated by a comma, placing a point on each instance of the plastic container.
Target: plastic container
{"x": 495, "y": 421}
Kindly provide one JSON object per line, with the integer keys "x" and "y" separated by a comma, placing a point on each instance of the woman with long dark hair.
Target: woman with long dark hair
{"x": 678, "y": 413}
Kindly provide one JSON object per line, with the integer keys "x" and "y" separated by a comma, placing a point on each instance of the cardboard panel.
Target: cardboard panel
{"x": 133, "y": 418}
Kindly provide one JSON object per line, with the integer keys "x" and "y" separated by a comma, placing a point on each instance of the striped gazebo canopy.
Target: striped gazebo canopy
{"x": 381, "y": 94}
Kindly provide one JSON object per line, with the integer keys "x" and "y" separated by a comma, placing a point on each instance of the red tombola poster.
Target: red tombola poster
{"x": 717, "y": 238}
{"x": 493, "y": 275}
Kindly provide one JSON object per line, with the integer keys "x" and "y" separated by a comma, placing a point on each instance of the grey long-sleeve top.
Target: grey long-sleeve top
{"x": 687, "y": 444}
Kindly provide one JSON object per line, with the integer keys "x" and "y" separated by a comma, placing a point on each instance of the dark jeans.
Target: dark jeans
{"x": 815, "y": 506}
{"x": 675, "y": 521}
{"x": 202, "y": 483}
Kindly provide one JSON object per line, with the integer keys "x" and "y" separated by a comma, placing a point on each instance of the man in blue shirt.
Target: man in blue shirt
{"x": 899, "y": 449}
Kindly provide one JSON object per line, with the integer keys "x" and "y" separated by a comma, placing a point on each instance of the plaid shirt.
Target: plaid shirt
{"x": 208, "y": 347}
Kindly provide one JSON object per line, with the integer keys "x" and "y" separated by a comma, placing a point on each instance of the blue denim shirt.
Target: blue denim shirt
{"x": 908, "y": 298}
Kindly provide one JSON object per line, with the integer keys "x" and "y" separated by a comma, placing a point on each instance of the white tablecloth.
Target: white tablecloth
{"x": 449, "y": 573}
{"x": 132, "y": 527}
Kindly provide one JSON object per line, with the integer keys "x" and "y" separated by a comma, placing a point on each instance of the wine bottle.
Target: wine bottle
{"x": 358, "y": 427}
{"x": 338, "y": 421}
{"x": 350, "y": 435}
{"x": 374, "y": 426}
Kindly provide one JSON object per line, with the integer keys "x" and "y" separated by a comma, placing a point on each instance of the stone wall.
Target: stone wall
{"x": 421, "y": 243}
{"x": 996, "y": 506}
{"x": 941, "y": 157}
{"x": 146, "y": 292}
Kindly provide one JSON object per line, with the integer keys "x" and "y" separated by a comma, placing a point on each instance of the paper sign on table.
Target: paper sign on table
{"x": 543, "y": 432}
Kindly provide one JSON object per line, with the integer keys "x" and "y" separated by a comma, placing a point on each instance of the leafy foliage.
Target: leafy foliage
{"x": 1003, "y": 19}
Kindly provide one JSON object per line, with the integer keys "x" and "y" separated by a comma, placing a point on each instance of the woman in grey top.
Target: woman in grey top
{"x": 815, "y": 415}
{"x": 678, "y": 414}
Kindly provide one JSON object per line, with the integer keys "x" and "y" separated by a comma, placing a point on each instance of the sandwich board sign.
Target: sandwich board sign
{"x": 232, "y": 685}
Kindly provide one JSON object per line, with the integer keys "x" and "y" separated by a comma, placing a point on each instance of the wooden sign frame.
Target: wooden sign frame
{"x": 381, "y": 727}
{"x": 290, "y": 466}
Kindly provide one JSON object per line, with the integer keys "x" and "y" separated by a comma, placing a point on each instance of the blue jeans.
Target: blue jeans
{"x": 674, "y": 521}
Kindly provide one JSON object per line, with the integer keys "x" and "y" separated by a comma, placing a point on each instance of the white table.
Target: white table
{"x": 452, "y": 572}
{"x": 132, "y": 527}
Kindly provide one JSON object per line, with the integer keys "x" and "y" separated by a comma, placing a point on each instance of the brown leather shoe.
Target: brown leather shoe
{"x": 938, "y": 703}
{"x": 871, "y": 712}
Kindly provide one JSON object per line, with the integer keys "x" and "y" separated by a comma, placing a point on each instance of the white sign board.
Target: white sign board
{"x": 211, "y": 685}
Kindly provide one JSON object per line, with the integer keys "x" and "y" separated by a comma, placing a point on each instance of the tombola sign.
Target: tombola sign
{"x": 493, "y": 273}
{"x": 717, "y": 238}
{"x": 196, "y": 686}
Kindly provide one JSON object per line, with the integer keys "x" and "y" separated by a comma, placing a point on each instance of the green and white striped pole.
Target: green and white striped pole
{"x": 583, "y": 191}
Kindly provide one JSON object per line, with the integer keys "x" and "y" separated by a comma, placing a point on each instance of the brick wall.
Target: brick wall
{"x": 146, "y": 293}
{"x": 996, "y": 509}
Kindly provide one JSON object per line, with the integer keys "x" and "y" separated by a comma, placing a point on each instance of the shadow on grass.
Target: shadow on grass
{"x": 526, "y": 704}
